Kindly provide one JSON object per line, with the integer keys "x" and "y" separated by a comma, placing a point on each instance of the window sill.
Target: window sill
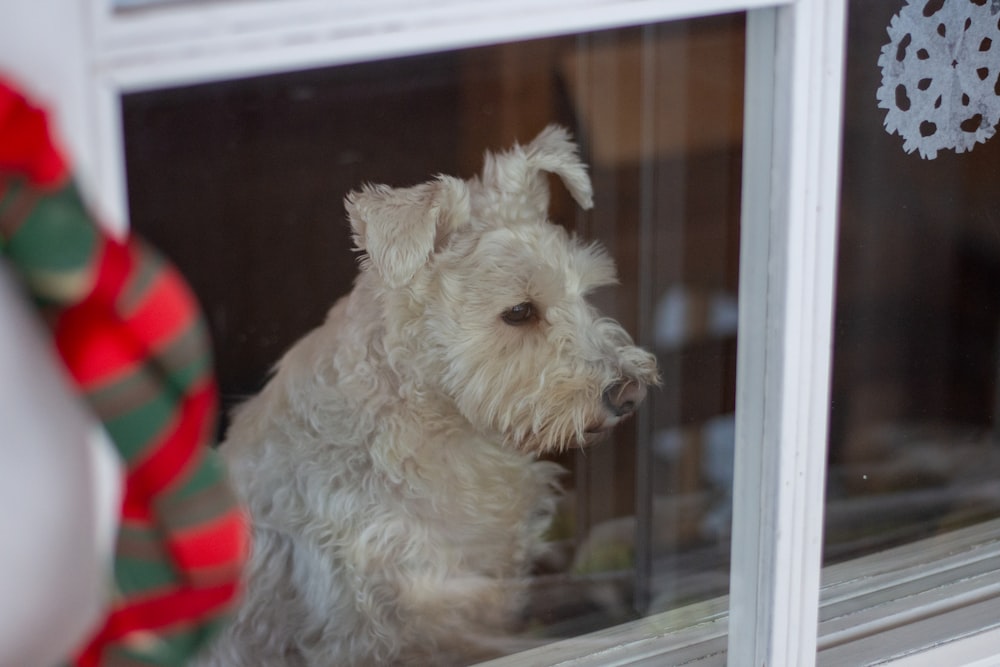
{"x": 932, "y": 602}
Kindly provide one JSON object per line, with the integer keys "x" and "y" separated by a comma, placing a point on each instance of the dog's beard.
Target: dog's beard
{"x": 542, "y": 432}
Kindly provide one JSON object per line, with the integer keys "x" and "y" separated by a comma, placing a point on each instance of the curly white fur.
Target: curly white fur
{"x": 391, "y": 464}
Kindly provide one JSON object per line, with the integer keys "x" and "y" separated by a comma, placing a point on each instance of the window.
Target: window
{"x": 261, "y": 233}
{"x": 912, "y": 457}
{"x": 787, "y": 251}
{"x": 768, "y": 30}
{"x": 914, "y": 393}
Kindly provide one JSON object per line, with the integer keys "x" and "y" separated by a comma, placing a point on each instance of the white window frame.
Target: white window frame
{"x": 787, "y": 258}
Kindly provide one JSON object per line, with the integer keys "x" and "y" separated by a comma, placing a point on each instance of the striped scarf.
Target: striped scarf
{"x": 132, "y": 339}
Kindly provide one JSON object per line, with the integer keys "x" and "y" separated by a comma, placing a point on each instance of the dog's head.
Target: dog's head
{"x": 486, "y": 300}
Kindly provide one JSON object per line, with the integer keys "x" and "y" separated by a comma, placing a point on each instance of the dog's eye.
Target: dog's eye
{"x": 522, "y": 313}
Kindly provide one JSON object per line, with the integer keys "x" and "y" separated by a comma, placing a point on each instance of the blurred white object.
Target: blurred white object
{"x": 60, "y": 494}
{"x": 685, "y": 314}
{"x": 716, "y": 439}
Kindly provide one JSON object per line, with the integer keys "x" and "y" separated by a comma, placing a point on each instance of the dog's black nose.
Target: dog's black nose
{"x": 623, "y": 397}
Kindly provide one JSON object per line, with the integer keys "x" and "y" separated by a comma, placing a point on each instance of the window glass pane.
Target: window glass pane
{"x": 914, "y": 446}
{"x": 241, "y": 184}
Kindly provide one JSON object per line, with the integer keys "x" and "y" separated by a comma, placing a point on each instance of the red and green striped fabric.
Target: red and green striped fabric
{"x": 132, "y": 338}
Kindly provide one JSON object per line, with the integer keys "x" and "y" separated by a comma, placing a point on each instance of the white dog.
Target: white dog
{"x": 391, "y": 464}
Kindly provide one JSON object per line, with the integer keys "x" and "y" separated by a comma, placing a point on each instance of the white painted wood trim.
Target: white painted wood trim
{"x": 926, "y": 604}
{"x": 108, "y": 134}
{"x": 788, "y": 253}
{"x": 197, "y": 42}
{"x": 934, "y": 602}
{"x": 979, "y": 649}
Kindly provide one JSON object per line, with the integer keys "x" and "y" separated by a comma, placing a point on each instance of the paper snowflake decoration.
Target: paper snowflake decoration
{"x": 941, "y": 74}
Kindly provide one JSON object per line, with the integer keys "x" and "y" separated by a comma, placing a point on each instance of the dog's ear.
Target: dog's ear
{"x": 399, "y": 228}
{"x": 518, "y": 176}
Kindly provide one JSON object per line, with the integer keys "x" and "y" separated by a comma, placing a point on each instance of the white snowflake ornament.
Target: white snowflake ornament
{"x": 941, "y": 74}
